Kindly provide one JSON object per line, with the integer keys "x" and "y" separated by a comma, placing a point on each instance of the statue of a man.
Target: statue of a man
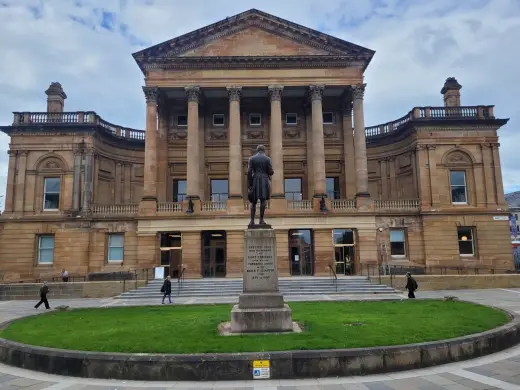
{"x": 259, "y": 174}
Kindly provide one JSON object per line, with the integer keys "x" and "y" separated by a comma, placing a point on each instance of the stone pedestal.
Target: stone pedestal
{"x": 261, "y": 307}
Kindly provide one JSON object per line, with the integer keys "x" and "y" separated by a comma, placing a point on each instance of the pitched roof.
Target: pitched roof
{"x": 169, "y": 52}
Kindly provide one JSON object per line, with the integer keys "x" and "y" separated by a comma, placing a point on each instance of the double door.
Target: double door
{"x": 301, "y": 256}
{"x": 171, "y": 260}
{"x": 344, "y": 257}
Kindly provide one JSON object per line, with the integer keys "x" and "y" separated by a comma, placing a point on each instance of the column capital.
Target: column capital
{"x": 12, "y": 152}
{"x": 151, "y": 94}
{"x": 193, "y": 93}
{"x": 234, "y": 93}
{"x": 275, "y": 92}
{"x": 358, "y": 91}
{"x": 316, "y": 91}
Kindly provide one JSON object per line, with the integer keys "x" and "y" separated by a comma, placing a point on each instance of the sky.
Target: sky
{"x": 86, "y": 45}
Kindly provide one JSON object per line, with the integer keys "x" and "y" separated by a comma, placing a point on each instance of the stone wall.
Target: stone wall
{"x": 30, "y": 291}
{"x": 454, "y": 282}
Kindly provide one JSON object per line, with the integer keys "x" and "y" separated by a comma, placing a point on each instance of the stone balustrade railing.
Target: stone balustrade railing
{"x": 115, "y": 209}
{"x": 343, "y": 204}
{"x": 210, "y": 205}
{"x": 91, "y": 118}
{"x": 299, "y": 204}
{"x": 169, "y": 207}
{"x": 399, "y": 204}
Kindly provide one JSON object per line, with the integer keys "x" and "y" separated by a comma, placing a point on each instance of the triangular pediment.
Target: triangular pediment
{"x": 253, "y": 34}
{"x": 254, "y": 41}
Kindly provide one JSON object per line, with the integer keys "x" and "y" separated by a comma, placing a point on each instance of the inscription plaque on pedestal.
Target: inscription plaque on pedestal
{"x": 260, "y": 273}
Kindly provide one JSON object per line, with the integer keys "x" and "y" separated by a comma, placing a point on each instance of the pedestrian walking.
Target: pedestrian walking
{"x": 411, "y": 285}
{"x": 166, "y": 289}
{"x": 44, "y": 290}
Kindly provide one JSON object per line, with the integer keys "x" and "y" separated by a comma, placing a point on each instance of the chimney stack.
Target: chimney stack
{"x": 451, "y": 92}
{"x": 55, "y": 97}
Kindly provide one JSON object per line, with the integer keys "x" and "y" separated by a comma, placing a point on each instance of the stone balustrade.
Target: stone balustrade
{"x": 213, "y": 206}
{"x": 304, "y": 205}
{"x": 115, "y": 209}
{"x": 91, "y": 118}
{"x": 169, "y": 207}
{"x": 343, "y": 204}
{"x": 399, "y": 204}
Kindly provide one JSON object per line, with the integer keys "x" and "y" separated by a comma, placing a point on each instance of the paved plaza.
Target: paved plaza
{"x": 498, "y": 371}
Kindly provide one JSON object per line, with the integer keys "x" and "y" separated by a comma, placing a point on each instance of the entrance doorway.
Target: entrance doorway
{"x": 213, "y": 254}
{"x": 344, "y": 251}
{"x": 301, "y": 254}
{"x": 171, "y": 254}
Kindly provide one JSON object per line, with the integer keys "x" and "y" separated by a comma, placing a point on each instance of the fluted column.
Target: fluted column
{"x": 235, "y": 143}
{"x": 276, "y": 141}
{"x": 162, "y": 150}
{"x": 358, "y": 92}
{"x": 193, "y": 168}
{"x": 318, "y": 145}
{"x": 348, "y": 145}
{"x": 150, "y": 150}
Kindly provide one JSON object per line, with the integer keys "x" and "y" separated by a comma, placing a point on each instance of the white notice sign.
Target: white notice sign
{"x": 159, "y": 272}
{"x": 261, "y": 369}
{"x": 501, "y": 218}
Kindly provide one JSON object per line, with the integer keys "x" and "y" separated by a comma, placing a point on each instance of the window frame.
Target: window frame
{"x": 45, "y": 192}
{"x": 223, "y": 124}
{"x": 405, "y": 243}
{"x": 473, "y": 246}
{"x": 109, "y": 236}
{"x": 255, "y": 124}
{"x": 177, "y": 120}
{"x": 332, "y": 117}
{"x": 39, "y": 249}
{"x": 337, "y": 187}
{"x": 458, "y": 185}
{"x": 293, "y": 192}
{"x": 175, "y": 184}
{"x": 218, "y": 193}
{"x": 295, "y": 119}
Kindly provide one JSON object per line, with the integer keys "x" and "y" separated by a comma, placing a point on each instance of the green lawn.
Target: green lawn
{"x": 192, "y": 329}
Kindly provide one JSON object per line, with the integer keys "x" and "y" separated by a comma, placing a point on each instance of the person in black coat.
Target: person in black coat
{"x": 411, "y": 285}
{"x": 259, "y": 172}
{"x": 166, "y": 289}
{"x": 44, "y": 290}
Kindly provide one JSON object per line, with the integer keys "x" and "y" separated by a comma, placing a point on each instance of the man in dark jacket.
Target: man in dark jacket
{"x": 259, "y": 172}
{"x": 44, "y": 290}
{"x": 411, "y": 285}
{"x": 167, "y": 289}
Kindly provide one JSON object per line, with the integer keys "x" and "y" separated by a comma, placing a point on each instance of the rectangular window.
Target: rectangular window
{"x": 328, "y": 118}
{"x": 397, "y": 242}
{"x": 333, "y": 187}
{"x": 255, "y": 119}
{"x": 343, "y": 237}
{"x": 45, "y": 249}
{"x": 458, "y": 187}
{"x": 182, "y": 120}
{"x": 179, "y": 190}
{"x": 466, "y": 241}
{"x": 218, "y": 120}
{"x": 291, "y": 119}
{"x": 51, "y": 193}
{"x": 293, "y": 189}
{"x": 219, "y": 190}
{"x": 116, "y": 244}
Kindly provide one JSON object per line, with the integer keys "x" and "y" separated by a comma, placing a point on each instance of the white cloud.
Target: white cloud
{"x": 418, "y": 44}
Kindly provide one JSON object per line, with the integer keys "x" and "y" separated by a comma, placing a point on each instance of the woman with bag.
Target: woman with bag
{"x": 166, "y": 289}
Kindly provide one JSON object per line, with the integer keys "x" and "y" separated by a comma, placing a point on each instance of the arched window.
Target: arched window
{"x": 50, "y": 170}
{"x": 460, "y": 168}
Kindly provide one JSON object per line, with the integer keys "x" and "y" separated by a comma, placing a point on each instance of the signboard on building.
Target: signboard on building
{"x": 500, "y": 218}
{"x": 159, "y": 272}
{"x": 261, "y": 369}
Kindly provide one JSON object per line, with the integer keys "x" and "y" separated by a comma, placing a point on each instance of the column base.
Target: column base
{"x": 148, "y": 206}
{"x": 364, "y": 201}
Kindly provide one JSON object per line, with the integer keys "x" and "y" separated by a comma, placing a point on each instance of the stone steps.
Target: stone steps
{"x": 287, "y": 286}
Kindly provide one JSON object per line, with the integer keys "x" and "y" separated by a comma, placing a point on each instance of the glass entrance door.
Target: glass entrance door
{"x": 214, "y": 254}
{"x": 344, "y": 256}
{"x": 301, "y": 256}
{"x": 171, "y": 253}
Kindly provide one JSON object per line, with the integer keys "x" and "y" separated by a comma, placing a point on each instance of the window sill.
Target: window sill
{"x": 115, "y": 262}
{"x": 468, "y": 257}
{"x": 45, "y": 265}
{"x": 50, "y": 210}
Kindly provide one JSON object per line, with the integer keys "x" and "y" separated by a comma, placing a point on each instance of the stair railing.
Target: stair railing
{"x": 333, "y": 276}
{"x": 180, "y": 279}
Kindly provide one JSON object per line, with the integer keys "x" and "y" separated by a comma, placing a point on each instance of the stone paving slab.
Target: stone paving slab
{"x": 498, "y": 371}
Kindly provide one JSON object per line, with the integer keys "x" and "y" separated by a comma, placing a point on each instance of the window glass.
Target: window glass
{"x": 466, "y": 243}
{"x": 293, "y": 189}
{"x": 46, "y": 249}
{"x": 333, "y": 187}
{"x": 219, "y": 190}
{"x": 458, "y": 187}
{"x": 397, "y": 242}
{"x": 218, "y": 119}
{"x": 255, "y": 120}
{"x": 51, "y": 195}
{"x": 115, "y": 247}
{"x": 182, "y": 120}
{"x": 343, "y": 236}
{"x": 179, "y": 190}
{"x": 328, "y": 118}
{"x": 291, "y": 119}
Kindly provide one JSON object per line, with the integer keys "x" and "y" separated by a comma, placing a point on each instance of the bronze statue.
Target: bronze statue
{"x": 259, "y": 174}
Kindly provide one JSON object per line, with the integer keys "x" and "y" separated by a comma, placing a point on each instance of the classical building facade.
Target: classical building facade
{"x": 89, "y": 196}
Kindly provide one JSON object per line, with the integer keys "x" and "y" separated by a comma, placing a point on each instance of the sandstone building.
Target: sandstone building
{"x": 88, "y": 195}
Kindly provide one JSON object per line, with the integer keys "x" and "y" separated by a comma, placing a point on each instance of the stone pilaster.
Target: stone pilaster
{"x": 393, "y": 190}
{"x": 19, "y": 189}
{"x": 349, "y": 153}
{"x": 193, "y": 166}
{"x": 413, "y": 159}
{"x": 11, "y": 173}
{"x": 318, "y": 147}
{"x": 276, "y": 140}
{"x": 162, "y": 151}
{"x": 118, "y": 185}
{"x": 127, "y": 195}
{"x": 384, "y": 178}
{"x": 235, "y": 143}
{"x": 88, "y": 178}
{"x": 423, "y": 168}
{"x": 487, "y": 162}
{"x": 358, "y": 92}
{"x": 498, "y": 175}
{"x": 150, "y": 151}
{"x": 432, "y": 164}
{"x": 76, "y": 180}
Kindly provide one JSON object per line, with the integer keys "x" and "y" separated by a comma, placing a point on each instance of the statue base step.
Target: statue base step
{"x": 263, "y": 320}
